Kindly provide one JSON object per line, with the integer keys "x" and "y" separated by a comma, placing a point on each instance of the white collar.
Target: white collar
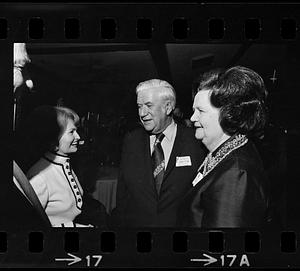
{"x": 169, "y": 132}
{"x": 57, "y": 158}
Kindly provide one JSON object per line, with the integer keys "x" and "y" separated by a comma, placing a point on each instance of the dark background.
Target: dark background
{"x": 102, "y": 77}
{"x": 99, "y": 80}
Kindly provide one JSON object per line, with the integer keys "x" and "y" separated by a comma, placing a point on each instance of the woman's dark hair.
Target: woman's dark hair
{"x": 240, "y": 94}
{"x": 41, "y": 131}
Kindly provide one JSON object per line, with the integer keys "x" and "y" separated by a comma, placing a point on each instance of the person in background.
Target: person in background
{"x": 21, "y": 75}
{"x": 21, "y": 208}
{"x": 158, "y": 161}
{"x": 230, "y": 188}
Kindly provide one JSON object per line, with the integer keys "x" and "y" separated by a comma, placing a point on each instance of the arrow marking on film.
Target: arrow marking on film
{"x": 71, "y": 261}
{"x": 209, "y": 259}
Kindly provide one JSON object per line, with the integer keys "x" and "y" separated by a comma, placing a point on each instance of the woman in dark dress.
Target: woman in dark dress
{"x": 230, "y": 189}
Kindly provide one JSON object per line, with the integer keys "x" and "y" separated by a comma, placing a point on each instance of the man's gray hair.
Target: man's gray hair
{"x": 166, "y": 89}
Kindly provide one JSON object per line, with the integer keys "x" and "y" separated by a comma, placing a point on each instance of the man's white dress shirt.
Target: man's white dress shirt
{"x": 168, "y": 141}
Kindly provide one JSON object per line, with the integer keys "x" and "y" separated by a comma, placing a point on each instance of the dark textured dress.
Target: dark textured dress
{"x": 231, "y": 192}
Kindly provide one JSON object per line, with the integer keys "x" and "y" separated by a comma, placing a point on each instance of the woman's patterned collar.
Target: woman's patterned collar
{"x": 57, "y": 158}
{"x": 213, "y": 159}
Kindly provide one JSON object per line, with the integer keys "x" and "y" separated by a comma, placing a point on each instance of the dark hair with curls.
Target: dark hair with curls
{"x": 240, "y": 94}
{"x": 42, "y": 131}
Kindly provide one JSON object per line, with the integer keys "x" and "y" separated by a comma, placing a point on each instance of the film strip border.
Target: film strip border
{"x": 150, "y": 22}
{"x": 108, "y": 29}
{"x": 144, "y": 23}
{"x": 152, "y": 248}
{"x": 181, "y": 240}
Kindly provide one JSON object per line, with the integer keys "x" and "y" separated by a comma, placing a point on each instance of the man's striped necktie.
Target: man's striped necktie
{"x": 158, "y": 162}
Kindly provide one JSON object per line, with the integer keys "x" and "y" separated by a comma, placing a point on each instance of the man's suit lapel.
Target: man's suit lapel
{"x": 145, "y": 160}
{"x": 176, "y": 150}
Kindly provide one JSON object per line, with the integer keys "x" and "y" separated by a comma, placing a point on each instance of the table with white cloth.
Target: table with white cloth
{"x": 106, "y": 190}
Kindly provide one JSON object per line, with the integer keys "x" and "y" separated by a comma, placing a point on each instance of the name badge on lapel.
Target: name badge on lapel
{"x": 183, "y": 161}
{"x": 198, "y": 178}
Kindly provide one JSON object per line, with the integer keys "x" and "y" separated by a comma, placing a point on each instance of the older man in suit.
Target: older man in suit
{"x": 158, "y": 161}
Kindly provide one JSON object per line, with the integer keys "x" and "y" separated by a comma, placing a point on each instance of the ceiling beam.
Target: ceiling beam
{"x": 203, "y": 61}
{"x": 237, "y": 56}
{"x": 160, "y": 58}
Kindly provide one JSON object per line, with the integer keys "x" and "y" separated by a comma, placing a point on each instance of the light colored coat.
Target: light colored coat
{"x": 57, "y": 188}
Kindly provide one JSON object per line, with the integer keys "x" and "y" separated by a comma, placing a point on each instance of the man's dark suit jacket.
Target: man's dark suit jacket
{"x": 234, "y": 194}
{"x": 138, "y": 204}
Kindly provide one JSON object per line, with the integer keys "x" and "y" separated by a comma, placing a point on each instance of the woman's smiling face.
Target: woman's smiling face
{"x": 206, "y": 121}
{"x": 68, "y": 142}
